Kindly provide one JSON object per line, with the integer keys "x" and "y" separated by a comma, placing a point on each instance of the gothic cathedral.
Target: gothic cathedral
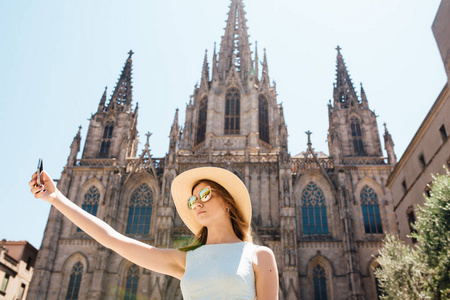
{"x": 323, "y": 216}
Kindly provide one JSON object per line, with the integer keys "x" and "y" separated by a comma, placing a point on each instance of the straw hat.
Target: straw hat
{"x": 182, "y": 190}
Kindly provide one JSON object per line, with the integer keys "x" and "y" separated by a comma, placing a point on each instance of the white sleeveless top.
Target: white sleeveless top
{"x": 220, "y": 271}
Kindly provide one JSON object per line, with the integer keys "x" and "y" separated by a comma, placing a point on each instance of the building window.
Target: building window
{"x": 201, "y": 124}
{"x": 443, "y": 133}
{"x": 320, "y": 283}
{"x": 411, "y": 221}
{"x": 91, "y": 200}
{"x": 263, "y": 113}
{"x": 132, "y": 282}
{"x": 314, "y": 211}
{"x": 405, "y": 188}
{"x": 370, "y": 210}
{"x": 140, "y": 211}
{"x": 232, "y": 111}
{"x": 104, "y": 149}
{"x": 21, "y": 291}
{"x": 106, "y": 140}
{"x": 107, "y": 132}
{"x": 378, "y": 286}
{"x": 75, "y": 282}
{"x": 355, "y": 127}
{"x": 422, "y": 161}
{"x": 4, "y": 283}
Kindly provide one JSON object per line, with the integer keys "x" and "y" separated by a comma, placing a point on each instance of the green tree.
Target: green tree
{"x": 422, "y": 271}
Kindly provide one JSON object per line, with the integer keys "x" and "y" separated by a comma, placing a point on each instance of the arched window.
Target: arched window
{"x": 320, "y": 283}
{"x": 132, "y": 282}
{"x": 314, "y": 210}
{"x": 358, "y": 146}
{"x": 263, "y": 112}
{"x": 232, "y": 111}
{"x": 370, "y": 210}
{"x": 106, "y": 139}
{"x": 90, "y": 204}
{"x": 140, "y": 211}
{"x": 75, "y": 282}
{"x": 201, "y": 124}
{"x": 378, "y": 286}
{"x": 107, "y": 132}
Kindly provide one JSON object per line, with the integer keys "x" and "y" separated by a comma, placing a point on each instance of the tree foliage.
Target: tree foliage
{"x": 422, "y": 271}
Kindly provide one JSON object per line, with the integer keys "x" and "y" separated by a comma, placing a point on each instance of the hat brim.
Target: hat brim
{"x": 182, "y": 190}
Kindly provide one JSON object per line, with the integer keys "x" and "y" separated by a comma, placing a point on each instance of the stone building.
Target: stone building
{"x": 324, "y": 216}
{"x": 17, "y": 259}
{"x": 429, "y": 150}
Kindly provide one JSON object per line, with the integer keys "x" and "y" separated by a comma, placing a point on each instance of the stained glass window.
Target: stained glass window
{"x": 75, "y": 282}
{"x": 140, "y": 211}
{"x": 314, "y": 210}
{"x": 132, "y": 283}
{"x": 370, "y": 210}
{"x": 232, "y": 111}
{"x": 201, "y": 124}
{"x": 91, "y": 199}
{"x": 263, "y": 112}
{"x": 358, "y": 146}
{"x": 320, "y": 283}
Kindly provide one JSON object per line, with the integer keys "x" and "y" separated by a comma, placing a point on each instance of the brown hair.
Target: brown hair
{"x": 240, "y": 228}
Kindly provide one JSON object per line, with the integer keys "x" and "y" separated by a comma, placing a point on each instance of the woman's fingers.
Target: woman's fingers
{"x": 38, "y": 190}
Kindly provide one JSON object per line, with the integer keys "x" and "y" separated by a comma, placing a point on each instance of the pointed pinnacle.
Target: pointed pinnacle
{"x": 148, "y": 134}
{"x": 309, "y": 138}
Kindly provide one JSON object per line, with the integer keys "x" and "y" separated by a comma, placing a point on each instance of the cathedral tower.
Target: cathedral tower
{"x": 235, "y": 109}
{"x": 324, "y": 216}
{"x": 353, "y": 131}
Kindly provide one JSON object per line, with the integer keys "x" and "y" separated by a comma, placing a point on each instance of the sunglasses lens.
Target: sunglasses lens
{"x": 191, "y": 202}
{"x": 205, "y": 194}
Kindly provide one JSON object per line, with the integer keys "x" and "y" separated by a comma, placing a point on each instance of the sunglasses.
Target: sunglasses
{"x": 203, "y": 196}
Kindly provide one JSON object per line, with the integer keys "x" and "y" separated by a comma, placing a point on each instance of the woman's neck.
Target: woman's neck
{"x": 221, "y": 235}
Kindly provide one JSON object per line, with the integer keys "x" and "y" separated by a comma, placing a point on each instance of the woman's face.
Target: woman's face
{"x": 212, "y": 211}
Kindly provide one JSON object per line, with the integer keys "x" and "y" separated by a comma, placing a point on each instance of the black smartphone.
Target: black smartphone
{"x": 40, "y": 167}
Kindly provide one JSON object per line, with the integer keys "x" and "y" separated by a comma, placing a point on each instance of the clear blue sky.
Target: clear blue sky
{"x": 57, "y": 57}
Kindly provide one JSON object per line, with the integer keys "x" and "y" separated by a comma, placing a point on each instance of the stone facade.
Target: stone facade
{"x": 17, "y": 259}
{"x": 324, "y": 216}
{"x": 429, "y": 150}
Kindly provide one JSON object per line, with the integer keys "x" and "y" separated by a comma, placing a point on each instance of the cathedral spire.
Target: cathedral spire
{"x": 255, "y": 70}
{"x": 214, "y": 64}
{"x": 265, "y": 70}
{"x": 364, "y": 102}
{"x": 235, "y": 40}
{"x": 205, "y": 70}
{"x": 389, "y": 146}
{"x": 122, "y": 95}
{"x": 74, "y": 148}
{"x": 174, "y": 134}
{"x": 344, "y": 92}
{"x": 101, "y": 105}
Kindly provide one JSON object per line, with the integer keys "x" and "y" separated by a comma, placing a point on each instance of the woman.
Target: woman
{"x": 221, "y": 264}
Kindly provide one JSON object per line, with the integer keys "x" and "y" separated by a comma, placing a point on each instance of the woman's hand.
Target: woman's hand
{"x": 46, "y": 191}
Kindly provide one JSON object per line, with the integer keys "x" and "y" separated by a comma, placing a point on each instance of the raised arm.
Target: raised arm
{"x": 166, "y": 261}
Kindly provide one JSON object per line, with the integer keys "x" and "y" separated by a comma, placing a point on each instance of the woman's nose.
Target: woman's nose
{"x": 198, "y": 203}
